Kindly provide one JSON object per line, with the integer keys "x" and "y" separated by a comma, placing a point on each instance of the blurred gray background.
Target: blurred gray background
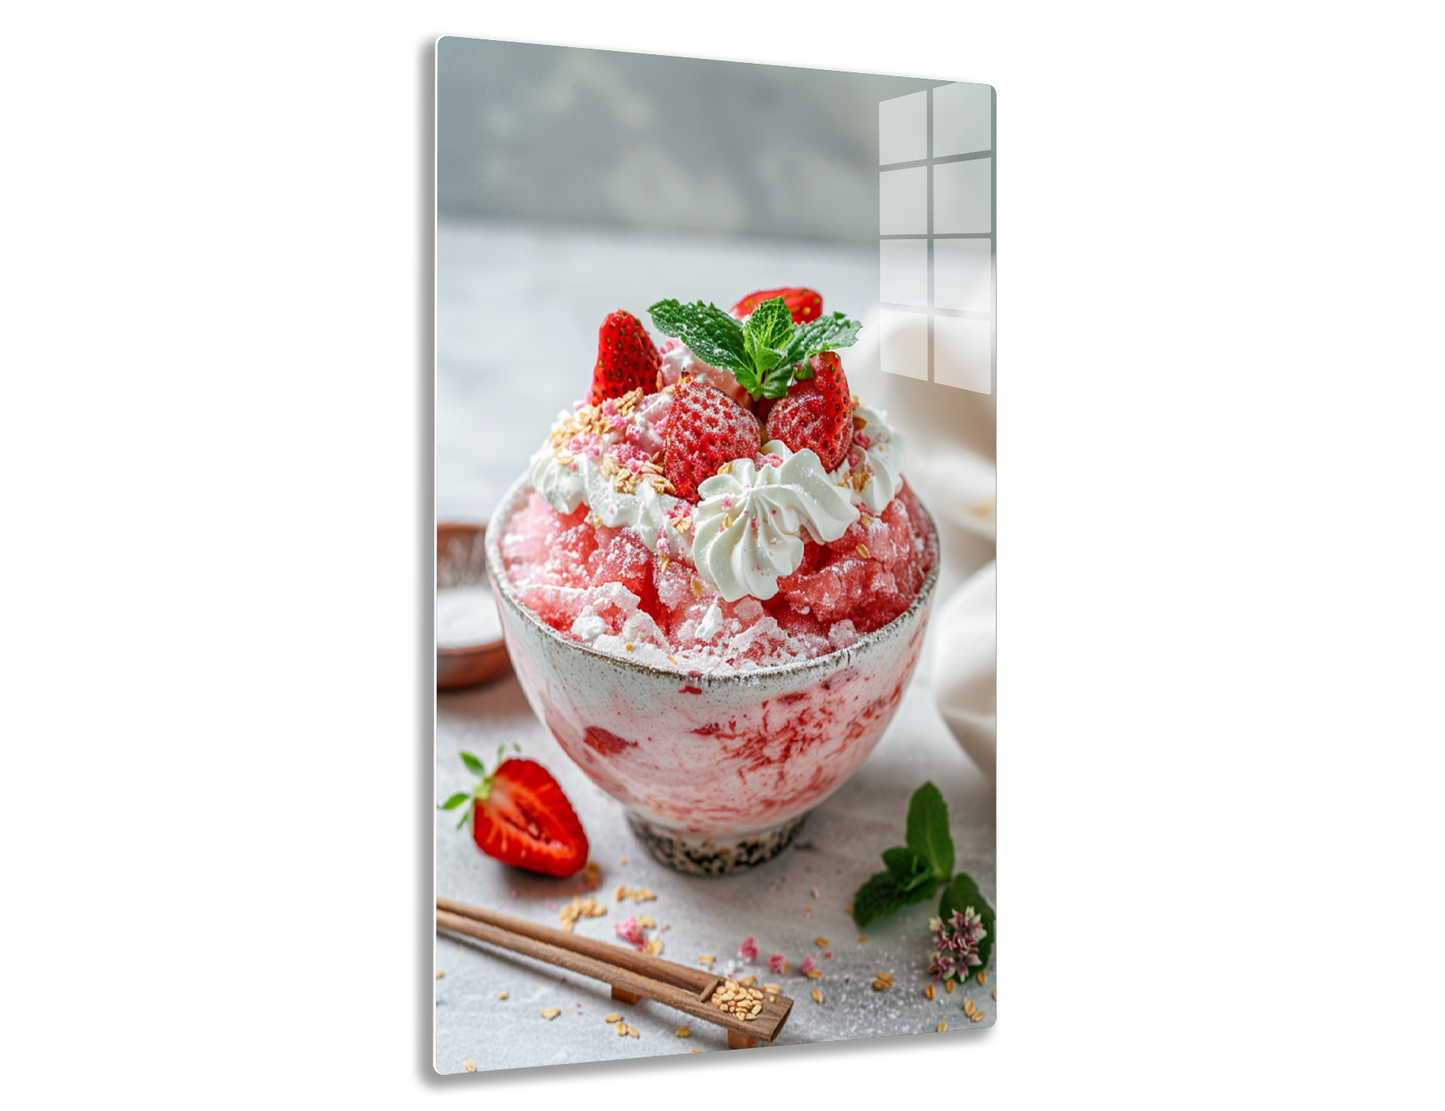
{"x": 638, "y": 140}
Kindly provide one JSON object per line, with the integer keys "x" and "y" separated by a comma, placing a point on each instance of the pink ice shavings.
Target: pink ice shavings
{"x": 748, "y": 950}
{"x": 777, "y": 962}
{"x": 809, "y": 965}
{"x": 630, "y": 932}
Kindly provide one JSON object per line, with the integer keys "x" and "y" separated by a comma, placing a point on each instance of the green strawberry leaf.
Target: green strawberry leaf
{"x": 959, "y": 894}
{"x": 473, "y": 764}
{"x": 712, "y": 335}
{"x": 910, "y": 870}
{"x": 928, "y": 829}
{"x": 455, "y": 801}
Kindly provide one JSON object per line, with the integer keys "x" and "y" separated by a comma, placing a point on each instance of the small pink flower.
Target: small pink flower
{"x": 807, "y": 966}
{"x": 748, "y": 950}
{"x": 630, "y": 932}
{"x": 777, "y": 962}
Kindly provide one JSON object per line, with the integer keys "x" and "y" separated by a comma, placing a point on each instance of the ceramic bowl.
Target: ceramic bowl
{"x": 716, "y": 772}
{"x": 461, "y": 561}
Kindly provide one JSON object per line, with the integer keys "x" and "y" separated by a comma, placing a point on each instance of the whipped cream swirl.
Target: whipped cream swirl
{"x": 873, "y": 470}
{"x": 747, "y": 528}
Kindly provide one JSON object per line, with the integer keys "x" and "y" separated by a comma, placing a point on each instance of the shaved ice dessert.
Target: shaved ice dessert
{"x": 723, "y": 503}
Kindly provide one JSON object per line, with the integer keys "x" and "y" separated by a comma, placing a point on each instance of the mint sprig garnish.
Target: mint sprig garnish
{"x": 917, "y": 869}
{"x": 767, "y": 352}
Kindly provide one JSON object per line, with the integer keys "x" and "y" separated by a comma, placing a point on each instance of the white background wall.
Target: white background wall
{"x": 1219, "y": 400}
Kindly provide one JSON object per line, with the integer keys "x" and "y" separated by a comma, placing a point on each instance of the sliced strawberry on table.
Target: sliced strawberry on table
{"x": 705, "y": 429}
{"x": 626, "y": 358}
{"x": 804, "y": 304}
{"x": 521, "y": 817}
{"x": 817, "y": 412}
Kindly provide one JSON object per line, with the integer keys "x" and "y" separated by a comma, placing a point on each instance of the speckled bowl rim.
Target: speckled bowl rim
{"x": 833, "y": 661}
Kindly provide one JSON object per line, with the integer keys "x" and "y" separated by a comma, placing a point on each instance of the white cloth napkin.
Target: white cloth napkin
{"x": 964, "y": 667}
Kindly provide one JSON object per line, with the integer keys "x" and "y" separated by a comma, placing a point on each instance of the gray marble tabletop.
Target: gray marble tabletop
{"x": 518, "y": 310}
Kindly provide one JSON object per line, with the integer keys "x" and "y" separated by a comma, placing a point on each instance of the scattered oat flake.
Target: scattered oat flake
{"x": 948, "y": 986}
{"x": 928, "y": 993}
{"x": 440, "y": 973}
{"x": 697, "y": 1051}
{"x": 653, "y": 947}
{"x": 621, "y": 1029}
{"x": 748, "y": 981}
{"x": 613, "y": 1017}
{"x": 994, "y": 993}
{"x": 706, "y": 960}
{"x": 942, "y": 1026}
{"x": 621, "y": 892}
{"x": 982, "y": 977}
{"x": 975, "y": 1016}
{"x": 817, "y": 995}
{"x": 550, "y": 1013}
{"x": 821, "y": 942}
{"x": 683, "y": 1031}
{"x": 848, "y": 911}
{"x": 646, "y": 922}
{"x": 775, "y": 989}
{"x": 862, "y": 938}
{"x": 632, "y": 1032}
{"x": 503, "y": 995}
{"x": 470, "y": 1066}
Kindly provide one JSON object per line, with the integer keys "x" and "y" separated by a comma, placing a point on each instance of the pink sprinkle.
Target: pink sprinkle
{"x": 630, "y": 932}
{"x": 664, "y": 927}
{"x": 813, "y": 891}
{"x": 727, "y": 501}
{"x": 828, "y": 954}
{"x": 776, "y": 962}
{"x": 808, "y": 965}
{"x": 775, "y": 460}
{"x": 514, "y": 892}
{"x": 748, "y": 950}
{"x": 861, "y": 440}
{"x": 551, "y": 905}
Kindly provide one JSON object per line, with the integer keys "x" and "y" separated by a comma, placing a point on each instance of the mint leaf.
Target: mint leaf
{"x": 959, "y": 894}
{"x": 455, "y": 801}
{"x": 910, "y": 870}
{"x": 473, "y": 763}
{"x": 767, "y": 334}
{"x": 712, "y": 335}
{"x": 879, "y": 896}
{"x": 827, "y": 333}
{"x": 928, "y": 829}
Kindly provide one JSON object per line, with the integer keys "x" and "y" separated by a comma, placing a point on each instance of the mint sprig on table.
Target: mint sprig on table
{"x": 767, "y": 352}
{"x": 916, "y": 870}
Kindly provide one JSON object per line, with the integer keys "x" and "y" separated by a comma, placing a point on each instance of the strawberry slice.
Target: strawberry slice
{"x": 705, "y": 429}
{"x": 804, "y": 304}
{"x": 817, "y": 413}
{"x": 521, "y": 817}
{"x": 626, "y": 358}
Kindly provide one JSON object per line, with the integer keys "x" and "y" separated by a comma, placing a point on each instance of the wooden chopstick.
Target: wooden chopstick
{"x": 629, "y": 972}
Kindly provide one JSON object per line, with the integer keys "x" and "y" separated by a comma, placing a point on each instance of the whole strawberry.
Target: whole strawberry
{"x": 626, "y": 358}
{"x": 520, "y": 816}
{"x": 817, "y": 413}
{"x": 804, "y": 304}
{"x": 705, "y": 429}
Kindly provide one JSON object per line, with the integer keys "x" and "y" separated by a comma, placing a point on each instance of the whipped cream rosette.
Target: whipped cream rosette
{"x": 747, "y": 529}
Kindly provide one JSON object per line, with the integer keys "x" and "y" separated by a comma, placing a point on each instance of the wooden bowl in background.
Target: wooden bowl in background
{"x": 462, "y": 559}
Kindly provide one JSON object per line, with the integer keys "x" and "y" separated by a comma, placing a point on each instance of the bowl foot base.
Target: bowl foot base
{"x": 698, "y": 854}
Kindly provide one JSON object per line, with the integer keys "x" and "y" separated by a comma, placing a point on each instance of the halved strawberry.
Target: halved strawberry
{"x": 804, "y": 304}
{"x": 521, "y": 817}
{"x": 626, "y": 358}
{"x": 705, "y": 429}
{"x": 817, "y": 413}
